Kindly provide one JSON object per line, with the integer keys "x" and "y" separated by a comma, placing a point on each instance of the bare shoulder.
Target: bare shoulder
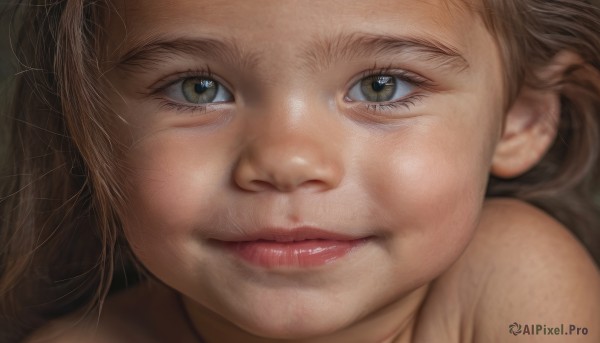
{"x": 526, "y": 268}
{"x": 126, "y": 317}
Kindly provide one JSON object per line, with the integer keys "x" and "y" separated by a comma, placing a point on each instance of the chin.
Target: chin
{"x": 295, "y": 321}
{"x": 293, "y": 329}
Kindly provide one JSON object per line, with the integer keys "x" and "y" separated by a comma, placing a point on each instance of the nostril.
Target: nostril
{"x": 281, "y": 186}
{"x": 258, "y": 185}
{"x": 314, "y": 185}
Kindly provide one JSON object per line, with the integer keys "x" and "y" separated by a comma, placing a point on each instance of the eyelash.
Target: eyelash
{"x": 418, "y": 81}
{"x": 169, "y": 105}
{"x": 181, "y": 108}
{"x": 413, "y": 79}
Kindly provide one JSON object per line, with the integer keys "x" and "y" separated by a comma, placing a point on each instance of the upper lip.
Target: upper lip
{"x": 293, "y": 235}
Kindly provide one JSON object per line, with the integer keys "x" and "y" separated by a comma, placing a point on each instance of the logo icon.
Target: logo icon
{"x": 515, "y": 328}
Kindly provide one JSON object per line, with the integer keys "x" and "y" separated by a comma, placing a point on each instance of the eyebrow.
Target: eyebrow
{"x": 323, "y": 52}
{"x": 159, "y": 49}
{"x": 317, "y": 54}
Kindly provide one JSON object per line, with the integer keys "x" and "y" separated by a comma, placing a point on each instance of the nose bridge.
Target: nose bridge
{"x": 289, "y": 147}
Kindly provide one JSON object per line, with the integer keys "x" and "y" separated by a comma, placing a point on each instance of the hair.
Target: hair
{"x": 565, "y": 183}
{"x": 60, "y": 195}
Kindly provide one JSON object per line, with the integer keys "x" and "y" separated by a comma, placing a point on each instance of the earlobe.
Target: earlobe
{"x": 530, "y": 128}
{"x": 531, "y": 124}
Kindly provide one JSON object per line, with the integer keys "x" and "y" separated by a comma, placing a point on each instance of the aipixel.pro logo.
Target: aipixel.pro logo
{"x": 546, "y": 330}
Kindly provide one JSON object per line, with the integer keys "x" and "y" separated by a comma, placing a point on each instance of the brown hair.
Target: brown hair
{"x": 60, "y": 195}
{"x": 566, "y": 182}
{"x": 60, "y": 198}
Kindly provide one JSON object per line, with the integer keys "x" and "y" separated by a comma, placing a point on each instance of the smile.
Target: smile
{"x": 298, "y": 248}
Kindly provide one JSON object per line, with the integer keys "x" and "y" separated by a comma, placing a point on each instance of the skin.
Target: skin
{"x": 291, "y": 149}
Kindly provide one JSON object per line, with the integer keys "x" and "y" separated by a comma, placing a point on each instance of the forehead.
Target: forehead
{"x": 287, "y": 25}
{"x": 293, "y": 11}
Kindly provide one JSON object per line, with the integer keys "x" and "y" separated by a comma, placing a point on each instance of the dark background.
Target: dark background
{"x": 7, "y": 71}
{"x": 6, "y": 57}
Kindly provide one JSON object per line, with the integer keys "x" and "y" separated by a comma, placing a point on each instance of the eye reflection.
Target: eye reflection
{"x": 198, "y": 90}
{"x": 379, "y": 88}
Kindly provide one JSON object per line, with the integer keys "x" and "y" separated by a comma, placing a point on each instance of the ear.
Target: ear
{"x": 531, "y": 123}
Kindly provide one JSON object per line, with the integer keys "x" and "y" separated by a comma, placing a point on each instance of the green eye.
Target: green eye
{"x": 379, "y": 88}
{"x": 198, "y": 90}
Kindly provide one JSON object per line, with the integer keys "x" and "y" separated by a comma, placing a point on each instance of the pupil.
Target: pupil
{"x": 380, "y": 83}
{"x": 378, "y": 88}
{"x": 202, "y": 86}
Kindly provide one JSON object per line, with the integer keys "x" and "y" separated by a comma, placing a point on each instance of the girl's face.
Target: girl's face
{"x": 297, "y": 165}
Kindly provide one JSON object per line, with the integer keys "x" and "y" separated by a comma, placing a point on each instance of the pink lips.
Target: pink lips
{"x": 302, "y": 247}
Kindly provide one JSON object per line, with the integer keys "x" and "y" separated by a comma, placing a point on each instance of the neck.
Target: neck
{"x": 392, "y": 323}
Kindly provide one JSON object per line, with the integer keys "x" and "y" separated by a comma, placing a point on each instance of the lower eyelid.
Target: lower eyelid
{"x": 397, "y": 108}
{"x": 193, "y": 110}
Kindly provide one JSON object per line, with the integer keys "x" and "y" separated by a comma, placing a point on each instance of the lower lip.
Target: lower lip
{"x": 300, "y": 254}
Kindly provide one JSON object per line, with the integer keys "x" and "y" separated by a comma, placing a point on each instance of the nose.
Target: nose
{"x": 287, "y": 160}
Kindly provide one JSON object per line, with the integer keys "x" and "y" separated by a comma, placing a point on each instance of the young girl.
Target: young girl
{"x": 303, "y": 171}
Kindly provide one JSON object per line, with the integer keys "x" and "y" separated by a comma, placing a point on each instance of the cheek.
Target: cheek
{"x": 173, "y": 184}
{"x": 430, "y": 191}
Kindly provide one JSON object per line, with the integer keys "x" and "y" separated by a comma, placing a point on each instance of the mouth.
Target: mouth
{"x": 298, "y": 248}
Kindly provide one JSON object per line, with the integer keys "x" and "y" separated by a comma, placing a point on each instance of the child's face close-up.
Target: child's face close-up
{"x": 294, "y": 166}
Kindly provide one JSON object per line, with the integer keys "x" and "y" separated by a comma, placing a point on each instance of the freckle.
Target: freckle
{"x": 294, "y": 218}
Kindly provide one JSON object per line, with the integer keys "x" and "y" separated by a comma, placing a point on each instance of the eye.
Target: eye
{"x": 198, "y": 90}
{"x": 380, "y": 88}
